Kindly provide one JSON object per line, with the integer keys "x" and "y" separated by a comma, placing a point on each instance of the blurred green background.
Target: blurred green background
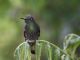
{"x": 56, "y": 18}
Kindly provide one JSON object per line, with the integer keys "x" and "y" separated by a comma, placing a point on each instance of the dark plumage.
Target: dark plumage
{"x": 31, "y": 32}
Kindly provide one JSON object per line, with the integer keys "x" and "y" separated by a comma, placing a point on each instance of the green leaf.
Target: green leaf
{"x": 51, "y": 51}
{"x": 71, "y": 43}
{"x": 38, "y": 50}
{"x": 23, "y": 52}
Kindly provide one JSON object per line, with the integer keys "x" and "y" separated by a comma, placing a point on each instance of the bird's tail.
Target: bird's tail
{"x": 33, "y": 51}
{"x": 32, "y": 46}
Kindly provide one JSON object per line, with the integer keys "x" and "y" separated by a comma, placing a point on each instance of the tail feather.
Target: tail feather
{"x": 33, "y": 51}
{"x": 32, "y": 46}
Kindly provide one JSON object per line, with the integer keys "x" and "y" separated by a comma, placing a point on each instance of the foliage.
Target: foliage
{"x": 70, "y": 45}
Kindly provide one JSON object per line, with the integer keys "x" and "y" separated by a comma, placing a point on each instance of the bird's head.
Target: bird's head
{"x": 28, "y": 18}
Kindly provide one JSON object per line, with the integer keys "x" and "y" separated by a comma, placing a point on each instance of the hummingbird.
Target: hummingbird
{"x": 31, "y": 32}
